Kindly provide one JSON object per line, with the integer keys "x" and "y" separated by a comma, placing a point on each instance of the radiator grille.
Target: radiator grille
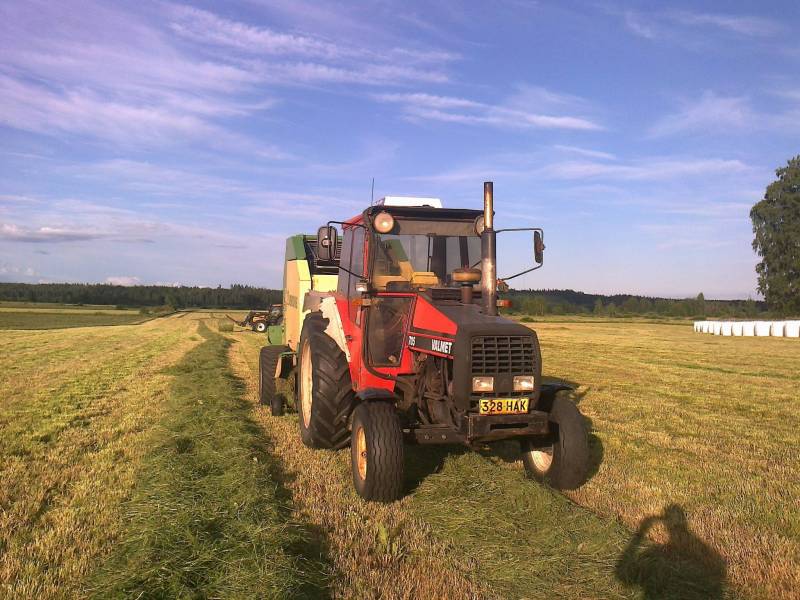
{"x": 513, "y": 354}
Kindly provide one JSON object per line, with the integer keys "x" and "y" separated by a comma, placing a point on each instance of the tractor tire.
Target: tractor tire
{"x": 267, "y": 370}
{"x": 325, "y": 395}
{"x": 565, "y": 464}
{"x": 376, "y": 452}
{"x": 260, "y": 327}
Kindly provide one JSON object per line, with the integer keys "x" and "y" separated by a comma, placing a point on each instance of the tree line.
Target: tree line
{"x": 526, "y": 302}
{"x": 140, "y": 296}
{"x": 570, "y": 302}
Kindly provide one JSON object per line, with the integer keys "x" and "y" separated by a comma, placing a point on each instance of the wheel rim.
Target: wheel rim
{"x": 261, "y": 327}
{"x": 306, "y": 383}
{"x": 542, "y": 459}
{"x": 361, "y": 453}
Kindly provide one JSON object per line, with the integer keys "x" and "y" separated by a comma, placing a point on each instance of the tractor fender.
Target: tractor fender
{"x": 549, "y": 391}
{"x": 334, "y": 330}
{"x": 372, "y": 395}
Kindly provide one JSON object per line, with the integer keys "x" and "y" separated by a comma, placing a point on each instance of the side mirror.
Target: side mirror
{"x": 538, "y": 247}
{"x": 327, "y": 240}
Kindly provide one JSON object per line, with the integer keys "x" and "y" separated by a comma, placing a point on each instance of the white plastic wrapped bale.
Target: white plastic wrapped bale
{"x": 737, "y": 328}
{"x": 749, "y": 328}
{"x": 727, "y": 328}
{"x": 716, "y": 327}
{"x": 707, "y": 326}
{"x": 763, "y": 328}
{"x": 777, "y": 328}
{"x": 792, "y": 329}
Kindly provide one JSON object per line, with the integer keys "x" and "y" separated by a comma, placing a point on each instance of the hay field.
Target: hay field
{"x": 135, "y": 460}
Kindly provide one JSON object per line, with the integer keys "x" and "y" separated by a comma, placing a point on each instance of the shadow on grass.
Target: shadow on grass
{"x": 682, "y": 567}
{"x": 309, "y": 546}
{"x": 422, "y": 461}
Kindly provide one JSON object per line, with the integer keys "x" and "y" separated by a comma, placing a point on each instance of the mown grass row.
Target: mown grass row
{"x": 207, "y": 518}
{"x": 487, "y": 524}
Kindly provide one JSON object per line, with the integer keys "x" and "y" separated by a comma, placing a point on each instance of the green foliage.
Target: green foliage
{"x": 237, "y": 296}
{"x": 776, "y": 225}
{"x": 570, "y": 302}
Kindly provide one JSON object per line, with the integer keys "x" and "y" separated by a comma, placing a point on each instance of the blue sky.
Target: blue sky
{"x": 162, "y": 142}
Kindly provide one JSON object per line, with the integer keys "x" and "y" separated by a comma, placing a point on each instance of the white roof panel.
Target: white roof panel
{"x": 410, "y": 201}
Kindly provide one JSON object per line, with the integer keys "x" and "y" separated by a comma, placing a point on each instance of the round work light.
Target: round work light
{"x": 383, "y": 222}
{"x": 479, "y": 225}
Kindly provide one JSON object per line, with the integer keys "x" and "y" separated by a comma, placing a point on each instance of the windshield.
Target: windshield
{"x": 422, "y": 259}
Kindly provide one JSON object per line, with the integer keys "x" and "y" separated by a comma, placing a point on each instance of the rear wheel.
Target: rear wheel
{"x": 325, "y": 395}
{"x": 376, "y": 452}
{"x": 268, "y": 362}
{"x": 565, "y": 463}
{"x": 260, "y": 327}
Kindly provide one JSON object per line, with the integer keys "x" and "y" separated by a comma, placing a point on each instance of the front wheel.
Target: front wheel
{"x": 376, "y": 452}
{"x": 565, "y": 463}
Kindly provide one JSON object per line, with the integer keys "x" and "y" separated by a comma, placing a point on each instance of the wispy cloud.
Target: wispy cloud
{"x": 585, "y": 152}
{"x": 709, "y": 113}
{"x": 741, "y": 24}
{"x": 676, "y": 25}
{"x": 15, "y": 233}
{"x": 712, "y": 113}
{"x": 449, "y": 109}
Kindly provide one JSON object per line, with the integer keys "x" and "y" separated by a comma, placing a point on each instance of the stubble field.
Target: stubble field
{"x": 135, "y": 460}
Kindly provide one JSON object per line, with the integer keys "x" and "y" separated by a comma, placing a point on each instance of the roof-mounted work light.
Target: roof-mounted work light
{"x": 383, "y": 222}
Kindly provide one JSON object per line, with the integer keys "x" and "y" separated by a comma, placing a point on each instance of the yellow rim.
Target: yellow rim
{"x": 361, "y": 453}
{"x": 542, "y": 459}
{"x": 306, "y": 383}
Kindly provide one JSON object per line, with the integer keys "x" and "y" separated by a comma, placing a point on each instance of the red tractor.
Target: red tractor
{"x": 408, "y": 348}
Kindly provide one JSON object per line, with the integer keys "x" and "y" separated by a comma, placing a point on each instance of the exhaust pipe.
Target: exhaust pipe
{"x": 488, "y": 252}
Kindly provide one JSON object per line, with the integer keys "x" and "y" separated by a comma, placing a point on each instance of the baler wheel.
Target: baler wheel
{"x": 261, "y": 327}
{"x": 565, "y": 463}
{"x": 325, "y": 395}
{"x": 376, "y": 452}
{"x": 267, "y": 374}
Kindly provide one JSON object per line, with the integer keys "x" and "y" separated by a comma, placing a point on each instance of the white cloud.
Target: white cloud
{"x": 585, "y": 152}
{"x": 744, "y": 25}
{"x": 709, "y": 113}
{"x": 124, "y": 280}
{"x": 422, "y": 106}
{"x": 15, "y": 233}
{"x": 638, "y": 25}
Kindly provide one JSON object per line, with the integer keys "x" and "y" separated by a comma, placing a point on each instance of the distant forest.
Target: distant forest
{"x": 566, "y": 302}
{"x": 528, "y": 302}
{"x": 138, "y": 296}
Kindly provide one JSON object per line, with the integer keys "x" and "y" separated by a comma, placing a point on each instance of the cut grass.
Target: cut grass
{"x": 76, "y": 407}
{"x": 65, "y": 318}
{"x": 695, "y": 449}
{"x": 206, "y": 518}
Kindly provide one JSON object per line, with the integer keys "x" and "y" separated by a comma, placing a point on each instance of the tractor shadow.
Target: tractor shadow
{"x": 422, "y": 461}
{"x": 309, "y": 547}
{"x": 509, "y": 451}
{"x": 684, "y": 566}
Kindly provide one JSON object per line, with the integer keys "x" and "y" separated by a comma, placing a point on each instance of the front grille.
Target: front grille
{"x": 498, "y": 354}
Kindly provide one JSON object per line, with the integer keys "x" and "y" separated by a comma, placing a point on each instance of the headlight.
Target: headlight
{"x": 383, "y": 222}
{"x": 483, "y": 384}
{"x": 523, "y": 383}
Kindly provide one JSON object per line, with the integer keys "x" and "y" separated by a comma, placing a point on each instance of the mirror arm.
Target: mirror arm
{"x": 523, "y": 272}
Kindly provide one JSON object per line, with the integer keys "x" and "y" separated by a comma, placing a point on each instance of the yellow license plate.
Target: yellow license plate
{"x": 503, "y": 406}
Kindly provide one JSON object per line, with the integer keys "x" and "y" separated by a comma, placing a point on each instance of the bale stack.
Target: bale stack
{"x": 790, "y": 329}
